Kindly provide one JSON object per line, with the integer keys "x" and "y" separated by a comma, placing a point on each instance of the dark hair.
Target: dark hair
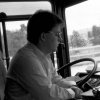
{"x": 41, "y": 21}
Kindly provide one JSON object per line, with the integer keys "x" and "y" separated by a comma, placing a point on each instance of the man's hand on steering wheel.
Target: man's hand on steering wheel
{"x": 87, "y": 77}
{"x": 77, "y": 91}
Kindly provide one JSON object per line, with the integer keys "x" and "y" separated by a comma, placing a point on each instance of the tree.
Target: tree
{"x": 16, "y": 39}
{"x": 95, "y": 31}
{"x": 76, "y": 40}
{"x": 96, "y": 35}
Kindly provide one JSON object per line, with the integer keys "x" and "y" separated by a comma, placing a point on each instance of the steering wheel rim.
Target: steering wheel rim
{"x": 81, "y": 82}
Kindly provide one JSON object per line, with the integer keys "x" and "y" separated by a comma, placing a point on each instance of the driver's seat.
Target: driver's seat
{"x": 11, "y": 87}
{"x": 2, "y": 78}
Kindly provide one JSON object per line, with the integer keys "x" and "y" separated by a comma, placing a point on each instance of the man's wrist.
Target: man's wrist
{"x": 71, "y": 92}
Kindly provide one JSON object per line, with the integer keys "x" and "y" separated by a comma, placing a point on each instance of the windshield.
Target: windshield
{"x": 83, "y": 29}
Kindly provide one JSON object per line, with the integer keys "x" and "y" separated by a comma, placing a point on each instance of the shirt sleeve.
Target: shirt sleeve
{"x": 62, "y": 82}
{"x": 34, "y": 78}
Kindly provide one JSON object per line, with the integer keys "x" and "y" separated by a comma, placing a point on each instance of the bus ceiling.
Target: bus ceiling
{"x": 63, "y": 3}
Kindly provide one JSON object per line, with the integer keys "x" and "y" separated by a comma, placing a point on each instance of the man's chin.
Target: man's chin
{"x": 54, "y": 50}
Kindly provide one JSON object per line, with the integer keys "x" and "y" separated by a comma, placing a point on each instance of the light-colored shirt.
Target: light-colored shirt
{"x": 35, "y": 73}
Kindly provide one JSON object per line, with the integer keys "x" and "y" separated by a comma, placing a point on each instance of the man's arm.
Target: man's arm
{"x": 35, "y": 80}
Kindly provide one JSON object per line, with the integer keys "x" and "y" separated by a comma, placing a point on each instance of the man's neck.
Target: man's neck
{"x": 43, "y": 49}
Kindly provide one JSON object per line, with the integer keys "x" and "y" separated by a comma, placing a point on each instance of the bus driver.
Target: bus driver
{"x": 31, "y": 74}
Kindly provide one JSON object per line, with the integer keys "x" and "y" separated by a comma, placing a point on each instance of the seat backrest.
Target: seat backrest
{"x": 14, "y": 90}
{"x": 2, "y": 78}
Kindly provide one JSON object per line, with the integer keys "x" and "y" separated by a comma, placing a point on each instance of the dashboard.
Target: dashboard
{"x": 94, "y": 81}
{"x": 91, "y": 87}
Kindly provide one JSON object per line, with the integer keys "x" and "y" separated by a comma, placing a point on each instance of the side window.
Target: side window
{"x": 16, "y": 35}
{"x": 83, "y": 29}
{"x": 16, "y": 27}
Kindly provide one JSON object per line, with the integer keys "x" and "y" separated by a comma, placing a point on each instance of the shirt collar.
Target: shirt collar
{"x": 36, "y": 50}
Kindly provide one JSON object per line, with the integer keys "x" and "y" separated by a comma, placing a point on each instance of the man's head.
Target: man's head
{"x": 41, "y": 24}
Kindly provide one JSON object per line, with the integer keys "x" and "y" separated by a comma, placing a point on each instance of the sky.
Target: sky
{"x": 83, "y": 15}
{"x": 13, "y": 26}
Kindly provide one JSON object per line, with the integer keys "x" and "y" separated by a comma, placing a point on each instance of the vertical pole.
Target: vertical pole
{"x": 5, "y": 44}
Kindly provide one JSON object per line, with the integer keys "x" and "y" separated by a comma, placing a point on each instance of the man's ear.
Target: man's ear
{"x": 43, "y": 36}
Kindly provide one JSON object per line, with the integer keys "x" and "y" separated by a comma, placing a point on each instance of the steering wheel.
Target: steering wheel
{"x": 82, "y": 80}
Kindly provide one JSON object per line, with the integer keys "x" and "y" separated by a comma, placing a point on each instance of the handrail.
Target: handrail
{"x": 15, "y": 17}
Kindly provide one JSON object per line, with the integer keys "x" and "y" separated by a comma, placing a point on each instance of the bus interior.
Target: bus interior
{"x": 78, "y": 54}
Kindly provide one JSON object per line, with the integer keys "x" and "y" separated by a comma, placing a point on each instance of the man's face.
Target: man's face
{"x": 53, "y": 38}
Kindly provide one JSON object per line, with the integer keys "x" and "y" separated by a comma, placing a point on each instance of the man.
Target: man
{"x": 31, "y": 75}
